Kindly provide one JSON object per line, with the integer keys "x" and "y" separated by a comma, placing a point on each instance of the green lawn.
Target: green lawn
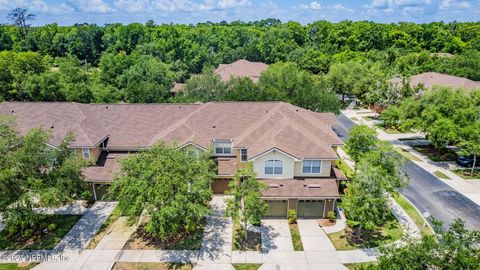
{"x": 441, "y": 175}
{"x": 358, "y": 266}
{"x": 437, "y": 155}
{"x": 39, "y": 240}
{"x": 297, "y": 241}
{"x": 414, "y": 215}
{"x": 246, "y": 266}
{"x": 465, "y": 173}
{"x": 252, "y": 243}
{"x": 151, "y": 266}
{"x": 390, "y": 232}
{"x": 116, "y": 213}
{"x": 370, "y": 118}
{"x": 19, "y": 266}
{"x": 407, "y": 154}
{"x": 354, "y": 119}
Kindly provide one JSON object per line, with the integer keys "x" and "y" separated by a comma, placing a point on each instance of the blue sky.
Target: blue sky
{"x": 67, "y": 12}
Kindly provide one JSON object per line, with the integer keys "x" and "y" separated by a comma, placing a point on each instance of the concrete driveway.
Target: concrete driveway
{"x": 276, "y": 235}
{"x": 313, "y": 237}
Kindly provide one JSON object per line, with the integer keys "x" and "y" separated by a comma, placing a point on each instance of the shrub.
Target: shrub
{"x": 390, "y": 117}
{"x": 331, "y": 215}
{"x": 12, "y": 230}
{"x": 86, "y": 195}
{"x": 292, "y": 216}
{"x": 27, "y": 233}
{"x": 51, "y": 227}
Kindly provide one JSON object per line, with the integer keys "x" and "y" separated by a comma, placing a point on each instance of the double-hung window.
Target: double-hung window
{"x": 273, "y": 167}
{"x": 223, "y": 148}
{"x": 86, "y": 153}
{"x": 311, "y": 166}
{"x": 243, "y": 154}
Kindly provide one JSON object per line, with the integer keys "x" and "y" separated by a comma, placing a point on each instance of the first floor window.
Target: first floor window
{"x": 273, "y": 167}
{"x": 311, "y": 166}
{"x": 86, "y": 153}
{"x": 243, "y": 155}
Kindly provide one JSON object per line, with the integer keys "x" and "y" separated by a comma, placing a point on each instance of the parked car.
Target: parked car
{"x": 465, "y": 161}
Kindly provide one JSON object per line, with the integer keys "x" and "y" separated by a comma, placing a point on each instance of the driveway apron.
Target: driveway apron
{"x": 276, "y": 235}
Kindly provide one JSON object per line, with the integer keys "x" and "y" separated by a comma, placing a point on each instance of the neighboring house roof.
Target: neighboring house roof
{"x": 241, "y": 68}
{"x": 298, "y": 188}
{"x": 177, "y": 87}
{"x": 429, "y": 79}
{"x": 257, "y": 125}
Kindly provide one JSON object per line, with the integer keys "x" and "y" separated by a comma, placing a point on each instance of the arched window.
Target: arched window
{"x": 273, "y": 167}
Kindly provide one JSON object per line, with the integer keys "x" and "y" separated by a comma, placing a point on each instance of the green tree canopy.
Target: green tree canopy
{"x": 171, "y": 186}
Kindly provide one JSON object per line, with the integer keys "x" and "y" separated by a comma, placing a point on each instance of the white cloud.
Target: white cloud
{"x": 132, "y": 5}
{"x": 339, "y": 7}
{"x": 34, "y": 6}
{"x": 449, "y": 4}
{"x": 315, "y": 5}
{"x": 97, "y": 6}
{"x": 233, "y": 3}
{"x": 391, "y": 4}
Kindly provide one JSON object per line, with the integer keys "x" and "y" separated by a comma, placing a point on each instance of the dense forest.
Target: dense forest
{"x": 140, "y": 62}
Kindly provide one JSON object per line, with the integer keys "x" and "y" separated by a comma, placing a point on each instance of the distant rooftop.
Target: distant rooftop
{"x": 429, "y": 79}
{"x": 241, "y": 68}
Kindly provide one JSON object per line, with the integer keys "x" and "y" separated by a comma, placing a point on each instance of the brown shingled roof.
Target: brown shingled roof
{"x": 258, "y": 125}
{"x": 106, "y": 169}
{"x": 429, "y": 79}
{"x": 307, "y": 188}
{"x": 241, "y": 68}
{"x": 227, "y": 166}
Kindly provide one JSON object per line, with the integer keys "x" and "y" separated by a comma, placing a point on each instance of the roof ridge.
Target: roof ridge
{"x": 257, "y": 123}
{"x": 178, "y": 124}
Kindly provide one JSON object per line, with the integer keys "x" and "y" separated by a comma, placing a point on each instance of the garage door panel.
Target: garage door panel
{"x": 310, "y": 208}
{"x": 277, "y": 208}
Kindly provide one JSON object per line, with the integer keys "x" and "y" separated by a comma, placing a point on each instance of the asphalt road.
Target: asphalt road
{"x": 428, "y": 193}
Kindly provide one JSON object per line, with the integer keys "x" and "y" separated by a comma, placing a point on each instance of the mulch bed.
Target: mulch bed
{"x": 185, "y": 241}
{"x": 326, "y": 222}
{"x": 437, "y": 155}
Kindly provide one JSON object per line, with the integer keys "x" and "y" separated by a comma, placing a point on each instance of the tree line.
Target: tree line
{"x": 140, "y": 62}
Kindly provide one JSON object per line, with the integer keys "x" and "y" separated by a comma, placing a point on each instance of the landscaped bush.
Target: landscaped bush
{"x": 27, "y": 233}
{"x": 51, "y": 227}
{"x": 331, "y": 215}
{"x": 292, "y": 216}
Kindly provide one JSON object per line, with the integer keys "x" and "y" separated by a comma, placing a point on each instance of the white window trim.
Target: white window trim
{"x": 246, "y": 155}
{"x": 222, "y": 154}
{"x": 87, "y": 156}
{"x": 311, "y": 166}
{"x": 273, "y": 171}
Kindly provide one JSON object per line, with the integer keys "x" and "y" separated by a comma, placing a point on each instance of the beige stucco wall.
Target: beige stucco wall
{"x": 192, "y": 148}
{"x": 94, "y": 153}
{"x": 288, "y": 165}
{"x": 324, "y": 170}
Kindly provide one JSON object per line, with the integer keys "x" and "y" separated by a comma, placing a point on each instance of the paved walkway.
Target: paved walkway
{"x": 313, "y": 237}
{"x": 276, "y": 235}
{"x": 216, "y": 249}
{"x": 117, "y": 235}
{"x": 341, "y": 223}
{"x": 86, "y": 227}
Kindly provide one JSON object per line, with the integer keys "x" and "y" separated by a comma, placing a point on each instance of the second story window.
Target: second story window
{"x": 223, "y": 148}
{"x": 86, "y": 153}
{"x": 311, "y": 166}
{"x": 243, "y": 154}
{"x": 273, "y": 167}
